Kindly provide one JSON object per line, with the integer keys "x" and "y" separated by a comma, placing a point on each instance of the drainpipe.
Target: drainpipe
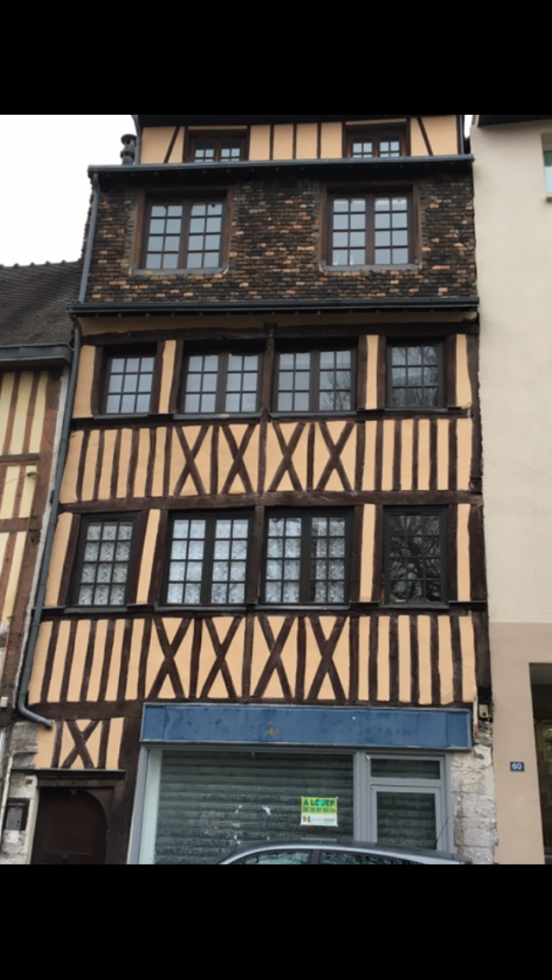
{"x": 139, "y": 140}
{"x": 50, "y": 533}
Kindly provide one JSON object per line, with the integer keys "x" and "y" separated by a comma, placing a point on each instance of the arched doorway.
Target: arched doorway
{"x": 71, "y": 828}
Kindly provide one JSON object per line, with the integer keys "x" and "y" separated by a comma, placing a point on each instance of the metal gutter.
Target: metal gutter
{"x": 37, "y": 354}
{"x": 272, "y": 307}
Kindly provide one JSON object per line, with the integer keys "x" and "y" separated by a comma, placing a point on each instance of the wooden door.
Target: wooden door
{"x": 71, "y": 828}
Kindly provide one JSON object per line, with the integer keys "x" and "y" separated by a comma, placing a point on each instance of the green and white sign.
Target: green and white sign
{"x": 318, "y": 811}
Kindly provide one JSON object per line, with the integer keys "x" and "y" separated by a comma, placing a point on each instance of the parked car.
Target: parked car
{"x": 317, "y": 852}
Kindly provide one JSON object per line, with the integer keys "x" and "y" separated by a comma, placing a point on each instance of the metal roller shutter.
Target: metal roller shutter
{"x": 211, "y": 803}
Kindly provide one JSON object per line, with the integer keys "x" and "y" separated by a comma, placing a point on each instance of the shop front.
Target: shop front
{"x": 212, "y": 778}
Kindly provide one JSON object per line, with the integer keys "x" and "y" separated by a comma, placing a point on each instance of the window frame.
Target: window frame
{"x": 219, "y": 138}
{"x": 224, "y": 352}
{"x": 111, "y": 354}
{"x": 216, "y": 195}
{"x": 440, "y": 344}
{"x": 426, "y": 511}
{"x": 79, "y": 562}
{"x": 409, "y": 191}
{"x": 307, "y": 516}
{"x": 314, "y": 388}
{"x": 378, "y": 135}
{"x": 208, "y": 559}
{"x": 547, "y": 153}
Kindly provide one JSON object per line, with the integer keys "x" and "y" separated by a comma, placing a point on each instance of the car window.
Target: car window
{"x": 280, "y": 857}
{"x": 348, "y": 857}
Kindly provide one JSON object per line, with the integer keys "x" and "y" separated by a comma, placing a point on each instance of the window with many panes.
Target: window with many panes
{"x": 370, "y": 145}
{"x": 415, "y": 555}
{"x": 315, "y": 381}
{"x": 186, "y": 235}
{"x": 104, "y": 561}
{"x": 208, "y": 560}
{"x": 307, "y": 559}
{"x": 217, "y": 148}
{"x": 415, "y": 373}
{"x": 222, "y": 383}
{"x": 370, "y": 230}
{"x": 129, "y": 384}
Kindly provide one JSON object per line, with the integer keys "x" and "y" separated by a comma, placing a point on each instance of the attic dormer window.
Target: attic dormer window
{"x": 375, "y": 144}
{"x": 216, "y": 148}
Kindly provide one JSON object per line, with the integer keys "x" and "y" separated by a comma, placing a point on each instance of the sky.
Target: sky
{"x": 44, "y": 184}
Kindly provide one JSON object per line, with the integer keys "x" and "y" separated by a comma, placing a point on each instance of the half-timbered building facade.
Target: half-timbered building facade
{"x": 35, "y": 361}
{"x": 267, "y": 584}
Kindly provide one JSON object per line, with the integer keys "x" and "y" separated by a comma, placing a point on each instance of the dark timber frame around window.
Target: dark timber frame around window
{"x": 194, "y": 566}
{"x": 386, "y": 144}
{"x": 317, "y": 388}
{"x": 219, "y": 387}
{"x": 365, "y": 229}
{"x": 416, "y": 556}
{"x": 222, "y": 147}
{"x": 419, "y": 373}
{"x": 129, "y": 381}
{"x": 123, "y": 539}
{"x": 290, "y": 546}
{"x": 187, "y": 234}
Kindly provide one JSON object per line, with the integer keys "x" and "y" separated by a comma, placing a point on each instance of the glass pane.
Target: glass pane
{"x": 86, "y": 596}
{"x": 405, "y": 769}
{"x": 348, "y": 859}
{"x": 407, "y": 820}
{"x": 548, "y": 166}
{"x": 174, "y": 595}
{"x": 281, "y": 858}
{"x": 91, "y": 552}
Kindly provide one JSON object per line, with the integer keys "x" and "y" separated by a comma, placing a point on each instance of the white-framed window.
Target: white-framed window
{"x": 547, "y": 150}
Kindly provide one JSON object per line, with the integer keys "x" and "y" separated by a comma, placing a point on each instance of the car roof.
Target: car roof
{"x": 423, "y": 857}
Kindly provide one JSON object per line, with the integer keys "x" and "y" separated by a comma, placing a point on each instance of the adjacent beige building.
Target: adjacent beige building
{"x": 513, "y": 195}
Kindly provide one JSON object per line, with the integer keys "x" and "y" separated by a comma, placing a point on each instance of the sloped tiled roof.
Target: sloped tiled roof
{"x": 34, "y": 300}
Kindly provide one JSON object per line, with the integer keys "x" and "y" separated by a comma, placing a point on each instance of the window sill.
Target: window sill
{"x": 294, "y": 416}
{"x": 344, "y": 269}
{"x": 139, "y": 416}
{"x": 183, "y": 610}
{"x": 195, "y": 419}
{"x": 416, "y": 607}
{"x": 318, "y": 610}
{"x": 96, "y": 610}
{"x": 168, "y": 273}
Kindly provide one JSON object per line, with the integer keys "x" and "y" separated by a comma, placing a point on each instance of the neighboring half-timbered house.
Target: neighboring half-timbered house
{"x": 268, "y": 582}
{"x": 35, "y": 359}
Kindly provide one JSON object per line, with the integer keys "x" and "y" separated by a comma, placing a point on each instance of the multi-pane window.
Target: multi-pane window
{"x": 104, "y": 562}
{"x": 208, "y": 561}
{"x": 416, "y": 376}
{"x": 370, "y": 230}
{"x": 415, "y": 565}
{"x": 315, "y": 381}
{"x": 222, "y": 383}
{"x": 185, "y": 235}
{"x": 307, "y": 559}
{"x": 130, "y": 384}
{"x": 369, "y": 146}
{"x": 221, "y": 149}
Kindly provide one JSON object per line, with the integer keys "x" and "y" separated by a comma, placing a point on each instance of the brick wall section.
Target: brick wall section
{"x": 275, "y": 250}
